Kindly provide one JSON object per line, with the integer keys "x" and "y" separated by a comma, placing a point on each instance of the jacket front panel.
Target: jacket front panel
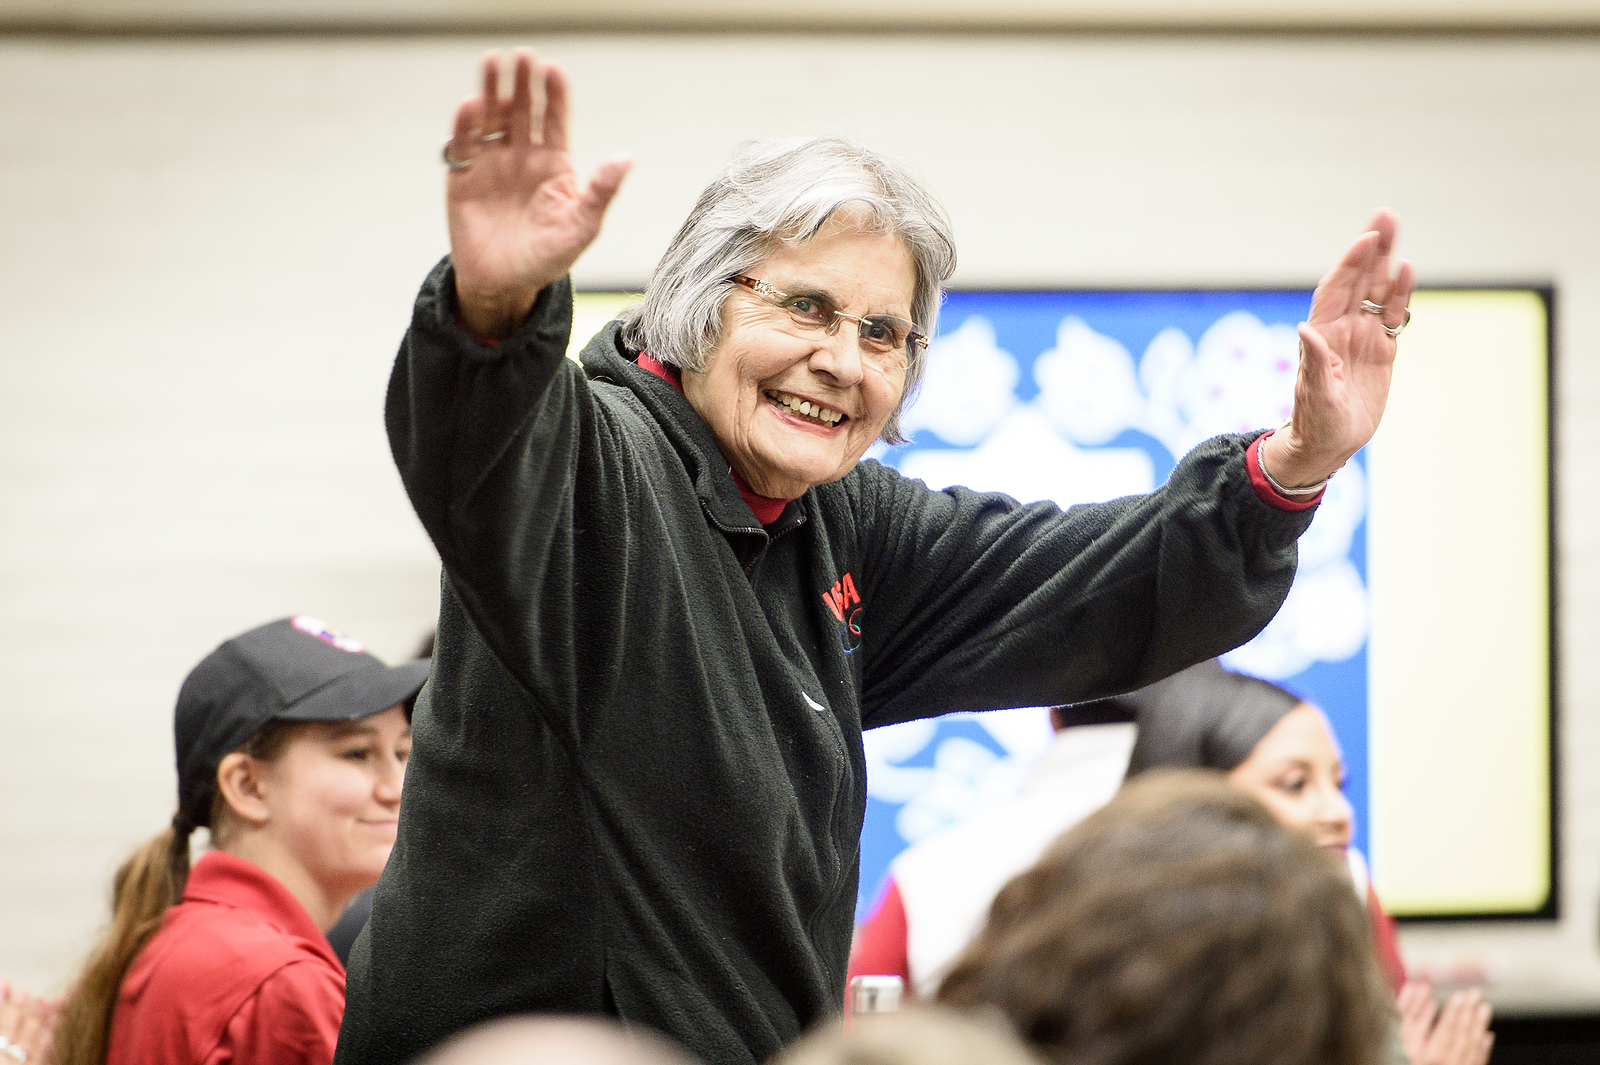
{"x": 637, "y": 783}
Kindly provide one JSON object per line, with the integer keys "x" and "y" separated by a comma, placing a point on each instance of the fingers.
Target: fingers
{"x": 604, "y": 183}
{"x": 555, "y": 108}
{"x": 1386, "y": 224}
{"x": 1345, "y": 285}
{"x": 1458, "y": 1038}
{"x": 522, "y": 118}
{"x": 518, "y": 119}
{"x": 489, "y": 93}
{"x": 1316, "y": 357}
{"x": 1485, "y": 1047}
{"x": 464, "y": 134}
{"x": 1398, "y": 297}
{"x": 1416, "y": 1002}
{"x": 29, "y": 1032}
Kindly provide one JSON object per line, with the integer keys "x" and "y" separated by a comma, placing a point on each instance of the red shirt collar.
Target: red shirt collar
{"x": 766, "y": 509}
{"x": 227, "y": 880}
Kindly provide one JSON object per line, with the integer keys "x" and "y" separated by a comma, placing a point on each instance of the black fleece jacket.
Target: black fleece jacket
{"x": 637, "y": 784}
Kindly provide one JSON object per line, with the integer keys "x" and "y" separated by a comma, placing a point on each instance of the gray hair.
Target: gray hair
{"x": 776, "y": 192}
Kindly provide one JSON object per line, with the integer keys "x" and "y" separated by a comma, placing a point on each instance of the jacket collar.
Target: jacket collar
{"x": 223, "y": 879}
{"x": 605, "y": 358}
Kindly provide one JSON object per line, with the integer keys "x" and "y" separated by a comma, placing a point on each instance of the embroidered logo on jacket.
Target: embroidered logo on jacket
{"x": 842, "y": 600}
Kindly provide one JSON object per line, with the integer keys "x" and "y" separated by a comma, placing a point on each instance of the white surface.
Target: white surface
{"x": 212, "y": 247}
{"x": 948, "y": 881}
{"x": 1460, "y": 647}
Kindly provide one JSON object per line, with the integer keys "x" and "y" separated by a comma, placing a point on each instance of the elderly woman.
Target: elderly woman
{"x": 674, "y": 596}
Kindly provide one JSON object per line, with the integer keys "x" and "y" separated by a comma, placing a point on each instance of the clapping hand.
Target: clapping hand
{"x": 519, "y": 217}
{"x": 27, "y": 1024}
{"x": 1458, "y": 1035}
{"x": 1347, "y": 352}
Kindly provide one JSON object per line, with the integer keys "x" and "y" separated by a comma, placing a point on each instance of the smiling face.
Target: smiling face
{"x": 763, "y": 372}
{"x": 333, "y": 798}
{"x": 1297, "y": 772}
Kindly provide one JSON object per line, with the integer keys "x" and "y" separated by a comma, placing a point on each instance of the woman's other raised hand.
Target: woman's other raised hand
{"x": 519, "y": 216}
{"x": 1347, "y": 352}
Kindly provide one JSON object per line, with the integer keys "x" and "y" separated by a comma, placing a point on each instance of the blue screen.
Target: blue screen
{"x": 1083, "y": 396}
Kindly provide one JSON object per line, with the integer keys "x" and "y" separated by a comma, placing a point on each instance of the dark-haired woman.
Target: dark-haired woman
{"x": 291, "y": 749}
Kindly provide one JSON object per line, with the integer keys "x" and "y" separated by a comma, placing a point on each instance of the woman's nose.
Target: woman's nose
{"x": 1336, "y": 809}
{"x": 391, "y": 779}
{"x": 838, "y": 354}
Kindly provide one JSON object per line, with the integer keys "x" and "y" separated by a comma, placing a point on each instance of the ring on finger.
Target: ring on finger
{"x": 1371, "y": 308}
{"x": 451, "y": 161}
{"x": 485, "y": 138}
{"x": 1401, "y": 328}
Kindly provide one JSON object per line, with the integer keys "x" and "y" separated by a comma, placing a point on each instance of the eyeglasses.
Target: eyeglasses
{"x": 880, "y": 334}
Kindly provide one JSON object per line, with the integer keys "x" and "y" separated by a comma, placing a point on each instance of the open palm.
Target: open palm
{"x": 519, "y": 216}
{"x": 1346, "y": 357}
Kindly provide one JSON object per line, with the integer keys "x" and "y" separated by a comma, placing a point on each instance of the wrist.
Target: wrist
{"x": 492, "y": 318}
{"x": 1288, "y": 466}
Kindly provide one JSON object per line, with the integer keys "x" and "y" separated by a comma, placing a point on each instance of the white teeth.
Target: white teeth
{"x": 826, "y": 415}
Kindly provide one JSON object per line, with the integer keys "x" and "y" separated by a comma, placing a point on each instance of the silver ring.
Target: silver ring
{"x": 1371, "y": 308}
{"x": 1401, "y": 328}
{"x": 485, "y": 138}
{"x": 451, "y": 161}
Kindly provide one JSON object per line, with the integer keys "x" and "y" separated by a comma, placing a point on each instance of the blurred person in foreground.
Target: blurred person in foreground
{"x": 291, "y": 749}
{"x": 1268, "y": 741}
{"x": 554, "y": 1041}
{"x": 1274, "y": 745}
{"x": 1180, "y": 923}
{"x": 922, "y": 1035}
{"x": 674, "y": 596}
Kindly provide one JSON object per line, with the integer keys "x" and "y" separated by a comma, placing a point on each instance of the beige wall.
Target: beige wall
{"x": 210, "y": 248}
{"x": 722, "y": 15}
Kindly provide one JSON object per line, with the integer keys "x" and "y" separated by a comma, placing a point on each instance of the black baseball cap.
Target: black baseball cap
{"x": 295, "y": 669}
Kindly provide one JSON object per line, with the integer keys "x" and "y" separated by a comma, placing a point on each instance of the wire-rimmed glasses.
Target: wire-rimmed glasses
{"x": 883, "y": 335}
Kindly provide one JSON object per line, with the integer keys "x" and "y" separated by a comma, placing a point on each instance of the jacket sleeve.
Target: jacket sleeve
{"x": 978, "y": 602}
{"x": 489, "y": 440}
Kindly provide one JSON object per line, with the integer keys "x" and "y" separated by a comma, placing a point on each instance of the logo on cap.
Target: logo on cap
{"x": 317, "y": 627}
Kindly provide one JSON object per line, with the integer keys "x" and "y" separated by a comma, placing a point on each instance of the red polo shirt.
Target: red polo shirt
{"x": 237, "y": 973}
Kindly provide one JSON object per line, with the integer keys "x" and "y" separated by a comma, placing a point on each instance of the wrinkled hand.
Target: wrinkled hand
{"x": 518, "y": 215}
{"x": 1346, "y": 360}
{"x": 1457, "y": 1036}
{"x": 27, "y": 1022}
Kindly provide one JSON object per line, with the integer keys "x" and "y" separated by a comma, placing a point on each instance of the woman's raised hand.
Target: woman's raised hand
{"x": 1347, "y": 351}
{"x": 519, "y": 217}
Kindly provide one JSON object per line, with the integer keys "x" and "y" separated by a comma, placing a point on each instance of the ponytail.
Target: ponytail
{"x": 149, "y": 882}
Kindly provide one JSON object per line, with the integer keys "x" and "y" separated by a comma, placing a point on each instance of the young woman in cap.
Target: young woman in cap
{"x": 291, "y": 748}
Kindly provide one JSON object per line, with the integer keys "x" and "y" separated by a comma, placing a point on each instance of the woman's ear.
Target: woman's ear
{"x": 240, "y": 782}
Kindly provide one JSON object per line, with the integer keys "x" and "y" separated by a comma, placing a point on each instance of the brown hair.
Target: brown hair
{"x": 146, "y": 885}
{"x": 1180, "y": 923}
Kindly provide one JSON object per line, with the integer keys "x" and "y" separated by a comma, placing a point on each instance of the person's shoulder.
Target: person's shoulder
{"x": 234, "y": 944}
{"x": 293, "y": 1017}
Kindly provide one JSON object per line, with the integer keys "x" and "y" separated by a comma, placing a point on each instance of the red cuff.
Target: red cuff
{"x": 1269, "y": 495}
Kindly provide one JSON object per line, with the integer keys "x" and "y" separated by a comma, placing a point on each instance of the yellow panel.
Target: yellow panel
{"x": 1458, "y": 564}
{"x": 590, "y": 313}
